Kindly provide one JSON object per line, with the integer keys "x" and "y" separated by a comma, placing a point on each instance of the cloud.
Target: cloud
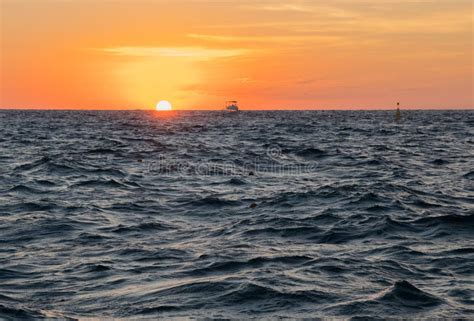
{"x": 285, "y": 7}
{"x": 321, "y": 9}
{"x": 177, "y": 52}
{"x": 263, "y": 38}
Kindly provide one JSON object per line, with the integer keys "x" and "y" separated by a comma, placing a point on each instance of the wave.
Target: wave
{"x": 439, "y": 162}
{"x": 105, "y": 183}
{"x": 311, "y": 153}
{"x": 237, "y": 181}
{"x": 385, "y": 227}
{"x": 257, "y": 262}
{"x": 23, "y": 189}
{"x": 32, "y": 165}
{"x": 466, "y": 221}
{"x": 213, "y": 201}
{"x": 401, "y": 295}
{"x": 285, "y": 232}
{"x": 469, "y": 175}
{"x": 143, "y": 227}
{"x": 149, "y": 255}
{"x": 47, "y": 164}
{"x": 251, "y": 293}
{"x": 404, "y": 293}
{"x": 28, "y": 207}
{"x": 17, "y": 313}
{"x": 100, "y": 151}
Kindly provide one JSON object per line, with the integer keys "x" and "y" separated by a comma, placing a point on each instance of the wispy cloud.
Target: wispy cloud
{"x": 265, "y": 39}
{"x": 183, "y": 52}
{"x": 306, "y": 7}
{"x": 285, "y": 7}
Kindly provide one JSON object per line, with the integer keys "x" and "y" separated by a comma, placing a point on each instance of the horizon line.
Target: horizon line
{"x": 276, "y": 109}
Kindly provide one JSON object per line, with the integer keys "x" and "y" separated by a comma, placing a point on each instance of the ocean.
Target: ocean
{"x": 257, "y": 214}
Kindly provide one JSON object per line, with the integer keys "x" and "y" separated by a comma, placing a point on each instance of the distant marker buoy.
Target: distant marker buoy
{"x": 398, "y": 114}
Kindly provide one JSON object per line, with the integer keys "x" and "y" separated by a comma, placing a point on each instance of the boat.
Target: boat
{"x": 231, "y": 106}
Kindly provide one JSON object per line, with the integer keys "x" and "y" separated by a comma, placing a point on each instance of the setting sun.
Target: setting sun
{"x": 164, "y": 106}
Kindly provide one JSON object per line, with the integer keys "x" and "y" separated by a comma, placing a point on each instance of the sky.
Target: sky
{"x": 307, "y": 54}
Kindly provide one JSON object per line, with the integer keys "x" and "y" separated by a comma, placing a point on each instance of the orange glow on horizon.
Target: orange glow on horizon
{"x": 271, "y": 55}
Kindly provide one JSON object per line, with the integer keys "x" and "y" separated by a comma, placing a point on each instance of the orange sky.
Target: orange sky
{"x": 271, "y": 54}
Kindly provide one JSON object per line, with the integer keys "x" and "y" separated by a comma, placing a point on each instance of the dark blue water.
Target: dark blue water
{"x": 257, "y": 214}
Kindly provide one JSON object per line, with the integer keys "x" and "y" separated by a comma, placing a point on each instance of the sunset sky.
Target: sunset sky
{"x": 311, "y": 54}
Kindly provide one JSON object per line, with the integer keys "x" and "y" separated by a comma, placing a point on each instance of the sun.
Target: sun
{"x": 164, "y": 105}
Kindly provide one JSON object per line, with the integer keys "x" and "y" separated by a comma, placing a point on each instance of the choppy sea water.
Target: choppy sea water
{"x": 250, "y": 215}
